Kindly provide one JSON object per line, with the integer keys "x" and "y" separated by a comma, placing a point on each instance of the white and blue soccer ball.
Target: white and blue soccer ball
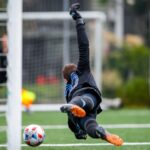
{"x": 33, "y": 135}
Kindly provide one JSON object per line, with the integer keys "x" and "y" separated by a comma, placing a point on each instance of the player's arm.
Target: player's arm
{"x": 71, "y": 84}
{"x": 83, "y": 43}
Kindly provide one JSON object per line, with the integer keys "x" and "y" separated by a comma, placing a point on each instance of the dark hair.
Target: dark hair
{"x": 68, "y": 69}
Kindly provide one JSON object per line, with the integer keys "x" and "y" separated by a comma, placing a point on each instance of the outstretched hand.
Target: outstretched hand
{"x": 74, "y": 11}
{"x": 81, "y": 135}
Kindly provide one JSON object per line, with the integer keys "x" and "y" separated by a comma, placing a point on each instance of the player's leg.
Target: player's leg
{"x": 95, "y": 131}
{"x": 80, "y": 105}
{"x": 87, "y": 101}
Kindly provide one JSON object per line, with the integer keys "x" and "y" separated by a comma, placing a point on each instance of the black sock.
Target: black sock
{"x": 94, "y": 130}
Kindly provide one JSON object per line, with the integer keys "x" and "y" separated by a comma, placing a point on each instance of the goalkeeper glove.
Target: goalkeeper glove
{"x": 73, "y": 11}
{"x": 81, "y": 135}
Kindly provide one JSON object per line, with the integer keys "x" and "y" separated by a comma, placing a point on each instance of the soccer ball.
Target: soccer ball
{"x": 33, "y": 135}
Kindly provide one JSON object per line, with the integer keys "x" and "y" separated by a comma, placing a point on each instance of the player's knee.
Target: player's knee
{"x": 86, "y": 101}
{"x": 76, "y": 101}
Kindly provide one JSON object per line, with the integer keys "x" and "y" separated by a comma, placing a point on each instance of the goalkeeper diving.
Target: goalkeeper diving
{"x": 82, "y": 95}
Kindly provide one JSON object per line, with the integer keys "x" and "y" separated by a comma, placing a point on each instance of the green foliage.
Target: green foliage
{"x": 141, "y": 6}
{"x": 136, "y": 59}
{"x": 133, "y": 65}
{"x": 130, "y": 61}
{"x": 103, "y": 1}
{"x": 3, "y": 92}
{"x": 135, "y": 92}
{"x": 3, "y": 3}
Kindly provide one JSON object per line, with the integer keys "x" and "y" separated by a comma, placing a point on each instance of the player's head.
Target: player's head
{"x": 67, "y": 70}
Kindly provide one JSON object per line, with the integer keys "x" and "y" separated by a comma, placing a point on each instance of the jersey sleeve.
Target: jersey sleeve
{"x": 68, "y": 88}
{"x": 71, "y": 85}
{"x": 74, "y": 80}
{"x": 83, "y": 45}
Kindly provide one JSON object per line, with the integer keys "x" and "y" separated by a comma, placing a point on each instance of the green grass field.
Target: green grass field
{"x": 138, "y": 133}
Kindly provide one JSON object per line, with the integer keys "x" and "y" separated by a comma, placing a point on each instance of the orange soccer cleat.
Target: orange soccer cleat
{"x": 114, "y": 139}
{"x": 74, "y": 110}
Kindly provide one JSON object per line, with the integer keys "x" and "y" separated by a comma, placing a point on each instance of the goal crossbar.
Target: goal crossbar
{"x": 56, "y": 15}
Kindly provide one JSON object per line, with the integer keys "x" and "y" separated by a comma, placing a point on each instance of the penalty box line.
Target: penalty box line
{"x": 85, "y": 144}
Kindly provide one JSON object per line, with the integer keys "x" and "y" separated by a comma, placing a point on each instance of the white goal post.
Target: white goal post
{"x": 14, "y": 72}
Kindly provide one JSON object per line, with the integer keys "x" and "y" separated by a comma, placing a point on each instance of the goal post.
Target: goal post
{"x": 14, "y": 72}
{"x": 62, "y": 15}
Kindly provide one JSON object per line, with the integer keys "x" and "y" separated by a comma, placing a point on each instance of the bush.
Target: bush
{"x": 135, "y": 92}
{"x": 132, "y": 63}
{"x": 130, "y": 60}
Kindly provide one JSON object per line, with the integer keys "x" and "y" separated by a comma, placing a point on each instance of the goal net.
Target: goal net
{"x": 49, "y": 42}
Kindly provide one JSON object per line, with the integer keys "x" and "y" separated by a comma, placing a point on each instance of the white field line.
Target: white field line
{"x": 56, "y": 107}
{"x": 85, "y": 144}
{"x": 109, "y": 126}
